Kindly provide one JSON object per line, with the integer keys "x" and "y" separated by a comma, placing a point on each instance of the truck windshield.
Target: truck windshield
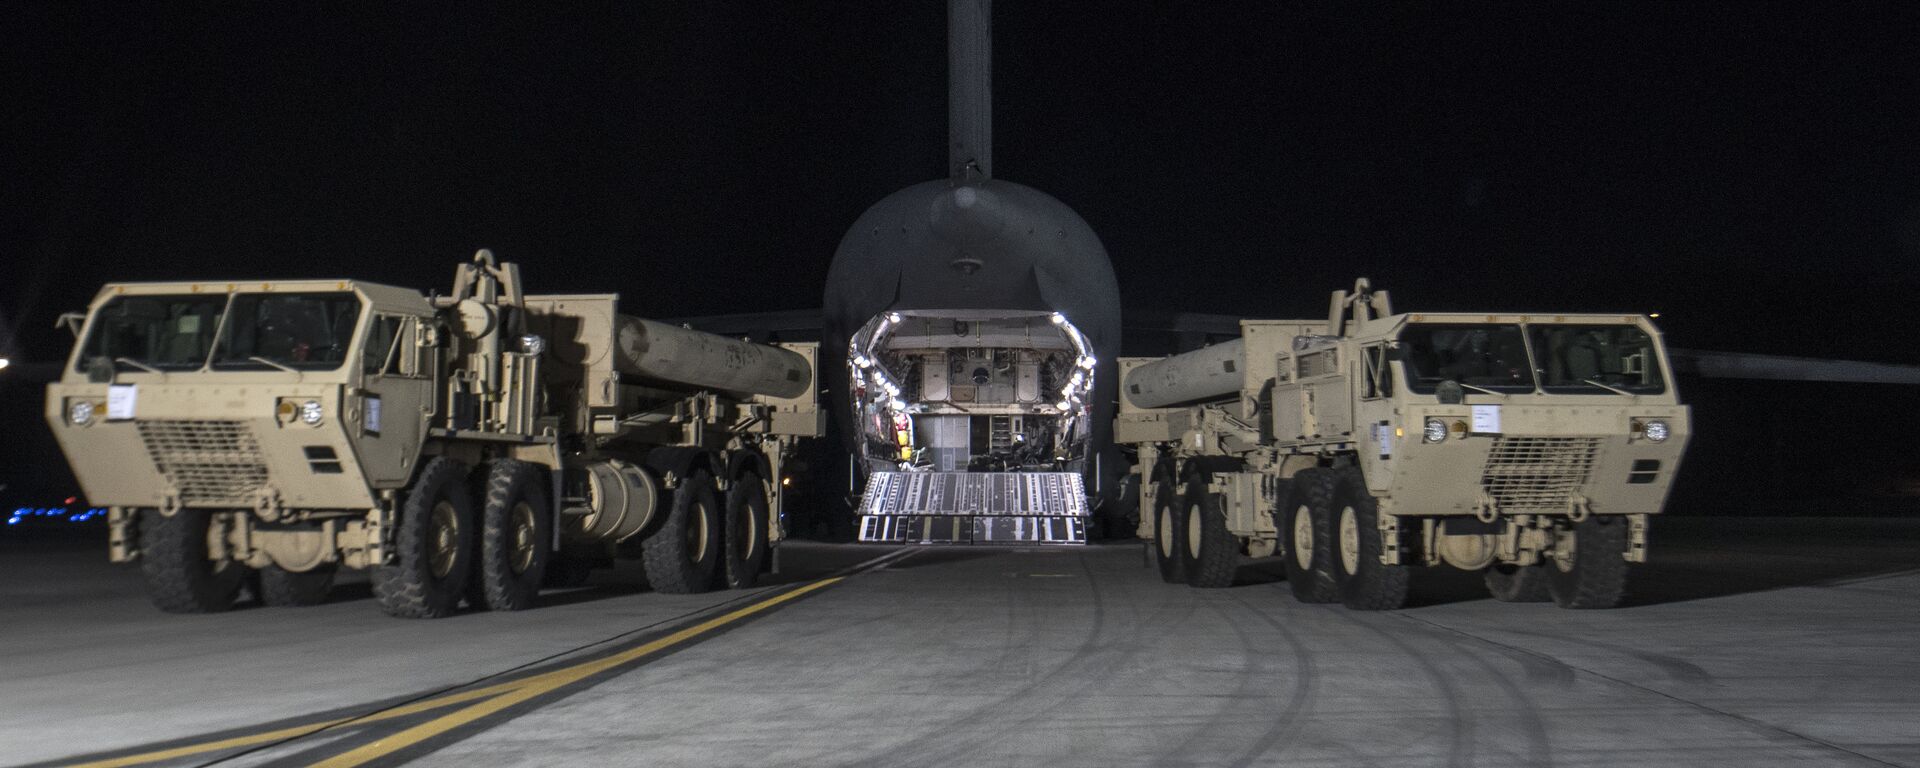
{"x": 1486, "y": 356}
{"x": 302, "y": 331}
{"x": 1596, "y": 358}
{"x": 168, "y": 333}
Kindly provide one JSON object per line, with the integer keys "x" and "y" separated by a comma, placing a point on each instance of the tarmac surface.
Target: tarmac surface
{"x": 1749, "y": 642}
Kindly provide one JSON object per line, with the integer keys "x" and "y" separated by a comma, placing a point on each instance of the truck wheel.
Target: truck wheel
{"x": 1213, "y": 553}
{"x": 1511, "y": 583}
{"x": 1306, "y": 532}
{"x": 1169, "y": 535}
{"x": 516, "y": 534}
{"x": 1366, "y": 584}
{"x": 1594, "y": 573}
{"x": 281, "y": 588}
{"x": 173, "y": 558}
{"x": 433, "y": 551}
{"x": 746, "y": 534}
{"x": 681, "y": 556}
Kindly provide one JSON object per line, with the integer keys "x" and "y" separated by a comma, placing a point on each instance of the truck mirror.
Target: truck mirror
{"x": 1634, "y": 364}
{"x": 72, "y": 321}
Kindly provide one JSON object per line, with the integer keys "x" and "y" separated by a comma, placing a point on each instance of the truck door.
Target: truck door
{"x": 394, "y": 399}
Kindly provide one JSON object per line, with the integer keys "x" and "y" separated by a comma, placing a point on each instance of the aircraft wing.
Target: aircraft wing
{"x": 1741, "y": 365}
{"x": 796, "y": 324}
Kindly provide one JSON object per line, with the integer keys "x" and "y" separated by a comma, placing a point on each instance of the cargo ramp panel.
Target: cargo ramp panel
{"x": 974, "y": 508}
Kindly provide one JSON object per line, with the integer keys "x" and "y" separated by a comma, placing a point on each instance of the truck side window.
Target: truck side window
{"x": 378, "y": 356}
{"x": 1379, "y": 375}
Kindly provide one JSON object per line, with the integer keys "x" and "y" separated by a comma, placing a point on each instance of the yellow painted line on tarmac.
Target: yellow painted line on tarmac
{"x": 497, "y": 697}
{"x": 547, "y": 683}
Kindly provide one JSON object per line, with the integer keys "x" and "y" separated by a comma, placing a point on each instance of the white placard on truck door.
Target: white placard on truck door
{"x": 120, "y": 401}
{"x": 1486, "y": 419}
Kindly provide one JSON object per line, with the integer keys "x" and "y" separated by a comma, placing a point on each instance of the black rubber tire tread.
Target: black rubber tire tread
{"x": 1219, "y": 548}
{"x": 281, "y": 588}
{"x": 407, "y": 587}
{"x": 1599, "y": 575}
{"x": 1375, "y": 586}
{"x": 173, "y": 560}
{"x": 746, "y": 522}
{"x": 1314, "y": 489}
{"x": 1509, "y": 583}
{"x": 495, "y": 586}
{"x": 669, "y": 565}
{"x": 1169, "y": 536}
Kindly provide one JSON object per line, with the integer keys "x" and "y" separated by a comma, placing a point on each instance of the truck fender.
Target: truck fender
{"x": 742, "y": 461}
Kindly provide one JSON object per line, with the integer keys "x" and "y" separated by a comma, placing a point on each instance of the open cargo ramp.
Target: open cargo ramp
{"x": 974, "y": 508}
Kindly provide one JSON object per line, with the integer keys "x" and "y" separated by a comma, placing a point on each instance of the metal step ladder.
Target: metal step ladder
{"x": 974, "y": 508}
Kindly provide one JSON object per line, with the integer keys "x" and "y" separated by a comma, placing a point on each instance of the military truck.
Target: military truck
{"x": 1532, "y": 448}
{"x": 464, "y": 447}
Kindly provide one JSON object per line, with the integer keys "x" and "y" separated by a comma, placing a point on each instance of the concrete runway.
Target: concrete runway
{"x": 1750, "y": 642}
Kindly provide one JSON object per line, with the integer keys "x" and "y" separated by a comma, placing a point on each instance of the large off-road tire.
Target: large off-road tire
{"x": 1511, "y": 583}
{"x": 173, "y": 558}
{"x": 433, "y": 547}
{"x": 1306, "y": 535}
{"x": 1213, "y": 553}
{"x": 1365, "y": 583}
{"x": 683, "y": 555}
{"x": 281, "y": 588}
{"x": 746, "y": 532}
{"x": 1594, "y": 573}
{"x": 516, "y": 537}
{"x": 1169, "y": 534}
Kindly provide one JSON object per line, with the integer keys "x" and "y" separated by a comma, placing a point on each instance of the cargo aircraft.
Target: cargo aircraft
{"x": 970, "y": 331}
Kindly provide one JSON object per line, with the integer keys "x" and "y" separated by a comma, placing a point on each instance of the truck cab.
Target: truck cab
{"x": 271, "y": 397}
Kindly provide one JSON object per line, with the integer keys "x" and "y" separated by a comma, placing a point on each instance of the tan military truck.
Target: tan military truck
{"x": 1532, "y": 448}
{"x": 462, "y": 447}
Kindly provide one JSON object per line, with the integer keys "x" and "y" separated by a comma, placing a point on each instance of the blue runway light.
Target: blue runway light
{"x": 22, "y": 514}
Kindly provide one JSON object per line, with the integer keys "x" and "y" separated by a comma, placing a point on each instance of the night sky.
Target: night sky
{"x": 1751, "y": 171}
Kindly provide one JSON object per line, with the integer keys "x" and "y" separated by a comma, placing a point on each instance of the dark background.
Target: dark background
{"x": 1750, "y": 171}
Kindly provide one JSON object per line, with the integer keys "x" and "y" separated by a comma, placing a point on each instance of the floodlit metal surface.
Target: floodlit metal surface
{"x": 1755, "y": 643}
{"x": 974, "y": 508}
{"x": 1018, "y": 494}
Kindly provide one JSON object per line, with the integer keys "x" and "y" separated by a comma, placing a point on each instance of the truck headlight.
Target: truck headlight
{"x": 80, "y": 412}
{"x": 1656, "y": 430}
{"x": 1435, "y": 431}
{"x": 310, "y": 412}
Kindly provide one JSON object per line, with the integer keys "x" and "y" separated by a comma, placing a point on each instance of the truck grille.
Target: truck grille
{"x": 1538, "y": 473}
{"x": 206, "y": 460}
